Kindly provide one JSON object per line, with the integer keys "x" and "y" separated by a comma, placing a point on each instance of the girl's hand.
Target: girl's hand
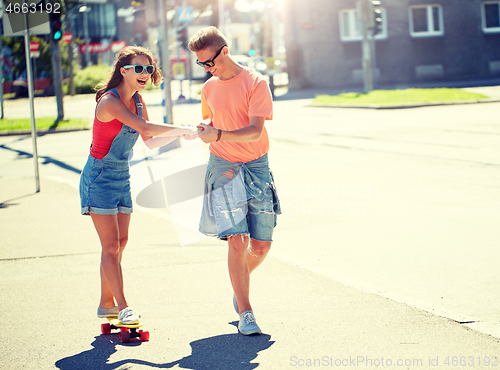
{"x": 192, "y": 133}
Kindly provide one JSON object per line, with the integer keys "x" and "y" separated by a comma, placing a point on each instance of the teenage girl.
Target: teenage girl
{"x": 120, "y": 117}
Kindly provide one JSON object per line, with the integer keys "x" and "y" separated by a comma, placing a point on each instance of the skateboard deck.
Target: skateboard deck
{"x": 127, "y": 331}
{"x": 114, "y": 321}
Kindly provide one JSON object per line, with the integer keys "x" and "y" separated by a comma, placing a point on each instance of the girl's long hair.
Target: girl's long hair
{"x": 123, "y": 58}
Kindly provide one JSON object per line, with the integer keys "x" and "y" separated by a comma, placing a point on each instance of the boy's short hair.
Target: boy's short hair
{"x": 208, "y": 37}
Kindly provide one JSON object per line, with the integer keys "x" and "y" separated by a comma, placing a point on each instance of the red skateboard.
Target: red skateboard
{"x": 126, "y": 331}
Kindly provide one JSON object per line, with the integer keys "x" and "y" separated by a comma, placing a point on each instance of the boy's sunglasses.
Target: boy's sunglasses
{"x": 139, "y": 68}
{"x": 210, "y": 63}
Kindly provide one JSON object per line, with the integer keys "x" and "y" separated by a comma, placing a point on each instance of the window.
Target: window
{"x": 100, "y": 19}
{"x": 349, "y": 26}
{"x": 490, "y": 16}
{"x": 426, "y": 20}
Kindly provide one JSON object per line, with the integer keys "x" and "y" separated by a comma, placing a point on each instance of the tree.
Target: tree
{"x": 43, "y": 62}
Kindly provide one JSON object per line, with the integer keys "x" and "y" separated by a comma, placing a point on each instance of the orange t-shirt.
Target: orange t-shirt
{"x": 230, "y": 104}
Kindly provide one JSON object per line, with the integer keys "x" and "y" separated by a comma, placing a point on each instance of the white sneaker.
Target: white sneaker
{"x": 107, "y": 312}
{"x": 128, "y": 316}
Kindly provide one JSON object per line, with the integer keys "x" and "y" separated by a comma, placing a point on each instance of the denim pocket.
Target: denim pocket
{"x": 95, "y": 174}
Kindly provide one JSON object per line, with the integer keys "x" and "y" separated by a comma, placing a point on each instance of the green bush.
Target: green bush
{"x": 86, "y": 79}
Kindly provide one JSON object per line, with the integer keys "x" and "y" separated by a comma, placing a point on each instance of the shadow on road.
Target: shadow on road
{"x": 222, "y": 352}
{"x": 10, "y": 202}
{"x": 46, "y": 160}
{"x": 97, "y": 357}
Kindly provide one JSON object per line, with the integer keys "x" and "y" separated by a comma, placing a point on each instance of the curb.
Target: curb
{"x": 406, "y": 106}
{"x": 42, "y": 131}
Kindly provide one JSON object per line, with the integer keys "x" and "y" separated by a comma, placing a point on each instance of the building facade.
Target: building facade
{"x": 420, "y": 40}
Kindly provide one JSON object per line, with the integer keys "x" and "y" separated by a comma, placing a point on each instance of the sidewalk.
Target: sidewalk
{"x": 49, "y": 268}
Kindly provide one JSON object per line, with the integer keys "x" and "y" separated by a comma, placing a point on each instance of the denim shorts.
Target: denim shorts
{"x": 105, "y": 188}
{"x": 251, "y": 217}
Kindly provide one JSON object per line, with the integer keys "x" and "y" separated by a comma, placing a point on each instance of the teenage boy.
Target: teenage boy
{"x": 240, "y": 202}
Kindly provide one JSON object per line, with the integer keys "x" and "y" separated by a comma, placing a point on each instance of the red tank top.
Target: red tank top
{"x": 103, "y": 134}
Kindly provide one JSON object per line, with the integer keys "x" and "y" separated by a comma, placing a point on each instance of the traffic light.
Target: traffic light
{"x": 377, "y": 17}
{"x": 55, "y": 26}
{"x": 182, "y": 37}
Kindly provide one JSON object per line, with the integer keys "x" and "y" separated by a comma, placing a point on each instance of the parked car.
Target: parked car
{"x": 20, "y": 87}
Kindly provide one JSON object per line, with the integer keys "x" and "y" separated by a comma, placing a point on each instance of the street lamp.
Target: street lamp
{"x": 85, "y": 9}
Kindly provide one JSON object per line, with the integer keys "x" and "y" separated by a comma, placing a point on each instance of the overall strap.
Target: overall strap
{"x": 114, "y": 91}
{"x": 138, "y": 104}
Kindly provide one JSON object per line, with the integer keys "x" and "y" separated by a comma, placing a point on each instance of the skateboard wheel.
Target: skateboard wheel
{"x": 105, "y": 328}
{"x": 123, "y": 329}
{"x": 143, "y": 335}
{"x": 124, "y": 337}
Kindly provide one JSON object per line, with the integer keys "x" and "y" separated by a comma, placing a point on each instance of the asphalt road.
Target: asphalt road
{"x": 399, "y": 203}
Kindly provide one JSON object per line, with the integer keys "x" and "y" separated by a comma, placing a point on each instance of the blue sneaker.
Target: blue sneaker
{"x": 247, "y": 324}
{"x": 235, "y": 305}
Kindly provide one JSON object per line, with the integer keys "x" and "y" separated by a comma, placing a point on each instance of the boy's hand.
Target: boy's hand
{"x": 208, "y": 133}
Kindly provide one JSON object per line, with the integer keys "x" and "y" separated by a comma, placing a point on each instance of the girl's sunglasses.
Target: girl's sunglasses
{"x": 139, "y": 68}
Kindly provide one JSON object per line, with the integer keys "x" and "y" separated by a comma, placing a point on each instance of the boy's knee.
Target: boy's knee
{"x": 238, "y": 242}
{"x": 259, "y": 249}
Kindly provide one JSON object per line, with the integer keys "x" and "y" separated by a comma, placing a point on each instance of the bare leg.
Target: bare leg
{"x": 123, "y": 226}
{"x": 238, "y": 270}
{"x": 113, "y": 232}
{"x": 107, "y": 298}
{"x": 257, "y": 253}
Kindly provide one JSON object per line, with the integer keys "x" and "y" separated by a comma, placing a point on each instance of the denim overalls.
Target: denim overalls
{"x": 104, "y": 183}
